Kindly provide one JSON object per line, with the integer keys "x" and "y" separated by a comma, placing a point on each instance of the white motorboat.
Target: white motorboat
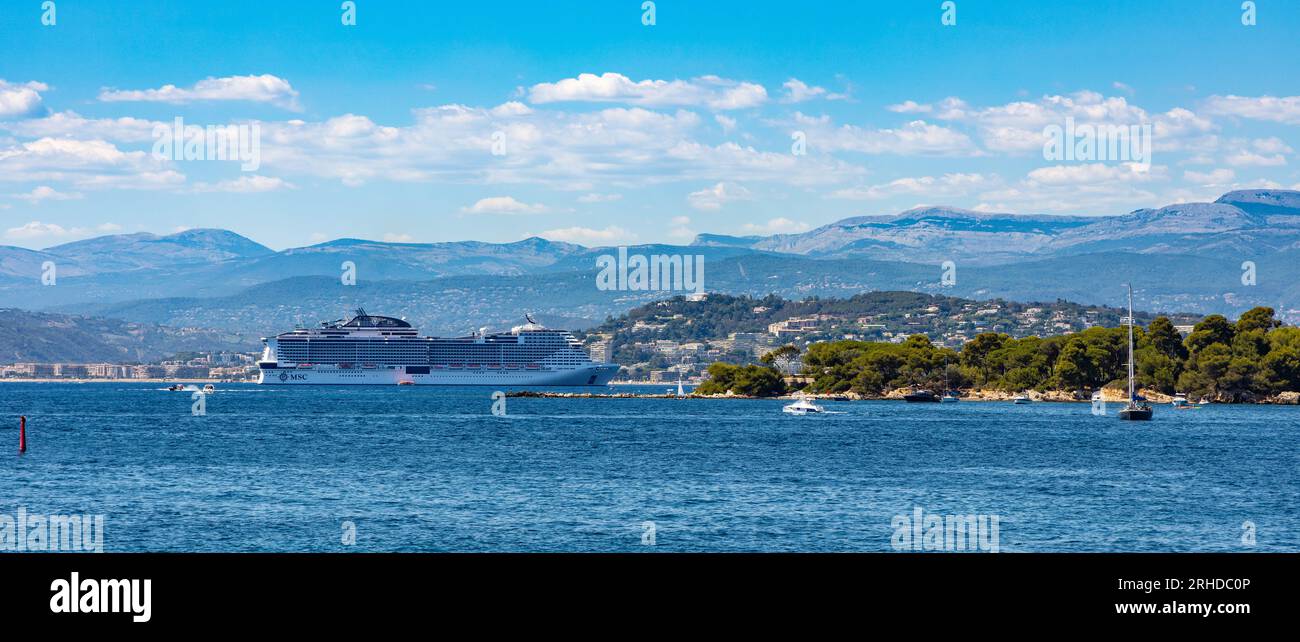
{"x": 803, "y": 407}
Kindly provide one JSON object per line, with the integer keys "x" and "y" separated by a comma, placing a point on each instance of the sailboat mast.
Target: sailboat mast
{"x": 1130, "y": 343}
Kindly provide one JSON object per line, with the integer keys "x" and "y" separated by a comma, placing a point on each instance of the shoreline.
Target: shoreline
{"x": 1001, "y": 397}
{"x": 974, "y": 396}
{"x": 56, "y": 380}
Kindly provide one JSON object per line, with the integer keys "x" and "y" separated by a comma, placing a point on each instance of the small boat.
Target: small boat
{"x": 949, "y": 395}
{"x": 1180, "y": 401}
{"x": 803, "y": 407}
{"x": 1021, "y": 399}
{"x": 921, "y": 396}
{"x": 1137, "y": 409}
{"x": 209, "y": 388}
{"x": 1097, "y": 396}
{"x": 406, "y": 382}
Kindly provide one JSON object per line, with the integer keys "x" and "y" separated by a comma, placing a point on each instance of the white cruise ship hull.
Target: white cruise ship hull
{"x": 598, "y": 374}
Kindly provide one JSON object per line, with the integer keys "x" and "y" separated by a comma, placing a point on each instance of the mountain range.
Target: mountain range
{"x": 1185, "y": 257}
{"x": 49, "y": 338}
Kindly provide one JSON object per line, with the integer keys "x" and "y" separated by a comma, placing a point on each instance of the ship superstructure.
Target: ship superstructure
{"x": 370, "y": 349}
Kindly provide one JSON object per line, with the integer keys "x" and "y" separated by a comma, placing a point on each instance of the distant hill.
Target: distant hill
{"x": 59, "y": 338}
{"x": 1251, "y": 223}
{"x": 1186, "y": 257}
{"x": 942, "y": 318}
{"x": 123, "y": 252}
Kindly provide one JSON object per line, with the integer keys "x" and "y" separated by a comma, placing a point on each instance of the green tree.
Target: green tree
{"x": 1280, "y": 370}
{"x": 1258, "y": 318}
{"x": 751, "y": 380}
{"x": 1212, "y": 329}
{"x": 1075, "y": 368}
{"x": 1165, "y": 338}
{"x": 974, "y": 354}
{"x": 782, "y": 358}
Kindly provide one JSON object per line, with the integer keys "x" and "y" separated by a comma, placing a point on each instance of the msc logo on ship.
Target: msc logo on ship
{"x": 284, "y": 376}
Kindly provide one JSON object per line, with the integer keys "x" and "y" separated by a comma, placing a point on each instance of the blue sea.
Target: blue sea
{"x": 431, "y": 469}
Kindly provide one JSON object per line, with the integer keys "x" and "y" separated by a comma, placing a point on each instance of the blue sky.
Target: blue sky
{"x": 617, "y": 132}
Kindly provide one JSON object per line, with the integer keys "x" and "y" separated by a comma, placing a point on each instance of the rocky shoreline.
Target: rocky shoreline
{"x": 1110, "y": 396}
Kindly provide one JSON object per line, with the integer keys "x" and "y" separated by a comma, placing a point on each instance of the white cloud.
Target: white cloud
{"x": 589, "y": 236}
{"x": 914, "y": 138}
{"x": 776, "y": 226}
{"x": 1092, "y": 173}
{"x": 713, "y": 198}
{"x": 706, "y": 91}
{"x": 728, "y": 123}
{"x": 1284, "y": 109}
{"x": 1247, "y": 158}
{"x": 265, "y": 88}
{"x": 36, "y": 230}
{"x": 910, "y": 107}
{"x": 797, "y": 91}
{"x": 945, "y": 186}
{"x": 398, "y": 238}
{"x": 1271, "y": 145}
{"x": 88, "y": 164}
{"x": 512, "y": 108}
{"x": 1211, "y": 178}
{"x": 599, "y": 198}
{"x": 46, "y": 193}
{"x": 679, "y": 229}
{"x": 1017, "y": 127}
{"x": 246, "y": 185}
{"x": 21, "y": 100}
{"x": 503, "y": 205}
{"x": 1084, "y": 188}
{"x": 68, "y": 124}
{"x": 614, "y": 148}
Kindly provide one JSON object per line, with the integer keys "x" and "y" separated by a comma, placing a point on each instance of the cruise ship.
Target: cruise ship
{"x": 375, "y": 350}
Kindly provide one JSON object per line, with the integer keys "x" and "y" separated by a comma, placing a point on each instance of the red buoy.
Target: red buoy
{"x": 22, "y": 434}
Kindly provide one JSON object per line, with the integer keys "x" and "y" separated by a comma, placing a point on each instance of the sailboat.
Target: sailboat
{"x": 1133, "y": 410}
{"x": 949, "y": 395}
